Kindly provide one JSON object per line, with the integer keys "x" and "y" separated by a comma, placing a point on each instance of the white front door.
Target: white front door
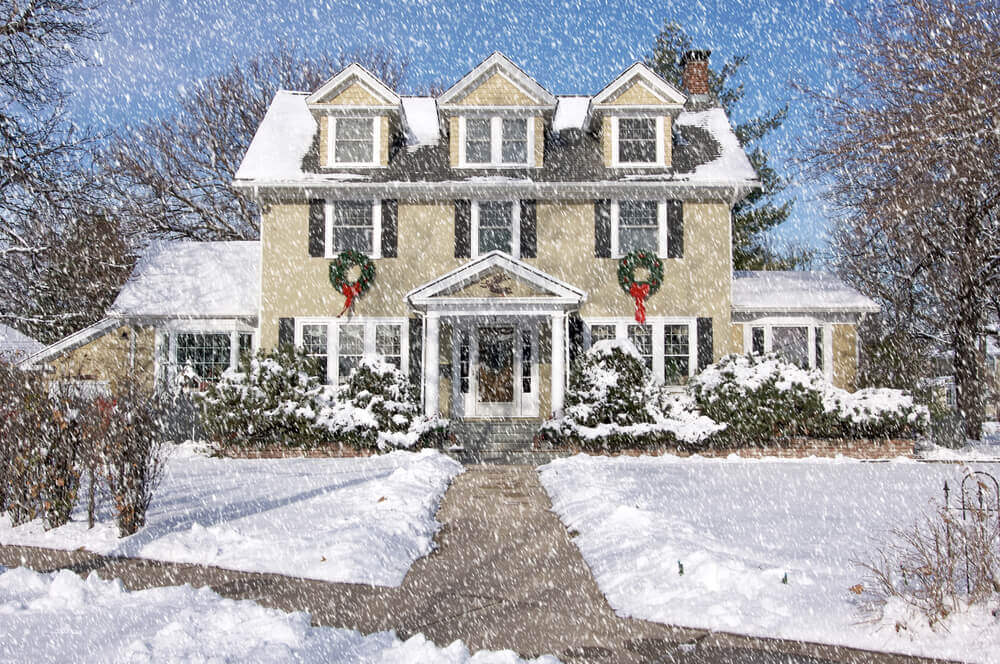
{"x": 498, "y": 370}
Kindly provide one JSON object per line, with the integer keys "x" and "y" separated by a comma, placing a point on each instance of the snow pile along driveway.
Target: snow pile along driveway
{"x": 738, "y": 527}
{"x": 46, "y": 617}
{"x": 361, "y": 520}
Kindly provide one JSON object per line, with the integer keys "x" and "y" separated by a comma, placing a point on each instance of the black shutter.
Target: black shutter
{"x": 706, "y": 355}
{"x": 390, "y": 215}
{"x": 463, "y": 229}
{"x": 675, "y": 229}
{"x": 317, "y": 227}
{"x": 575, "y": 337}
{"x": 416, "y": 338}
{"x": 602, "y": 229}
{"x": 529, "y": 225}
{"x": 286, "y": 332}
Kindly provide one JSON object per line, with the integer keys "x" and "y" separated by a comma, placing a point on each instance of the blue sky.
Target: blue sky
{"x": 152, "y": 50}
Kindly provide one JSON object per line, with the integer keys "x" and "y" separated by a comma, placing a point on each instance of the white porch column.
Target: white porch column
{"x": 558, "y": 361}
{"x": 432, "y": 364}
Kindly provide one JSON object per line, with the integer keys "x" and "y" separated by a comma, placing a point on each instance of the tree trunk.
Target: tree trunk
{"x": 969, "y": 387}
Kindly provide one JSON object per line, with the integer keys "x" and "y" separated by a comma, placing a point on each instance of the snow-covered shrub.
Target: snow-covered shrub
{"x": 276, "y": 400}
{"x": 132, "y": 453}
{"x": 763, "y": 399}
{"x": 44, "y": 447}
{"x": 938, "y": 567}
{"x": 270, "y": 400}
{"x": 613, "y": 403}
{"x": 376, "y": 409}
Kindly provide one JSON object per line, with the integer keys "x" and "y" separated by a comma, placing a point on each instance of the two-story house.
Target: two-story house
{"x": 495, "y": 217}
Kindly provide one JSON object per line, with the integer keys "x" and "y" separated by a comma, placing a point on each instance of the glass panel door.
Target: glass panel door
{"x": 496, "y": 365}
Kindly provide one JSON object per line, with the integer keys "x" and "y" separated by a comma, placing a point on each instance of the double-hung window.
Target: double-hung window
{"x": 666, "y": 345}
{"x": 353, "y": 225}
{"x": 353, "y": 141}
{"x": 638, "y": 225}
{"x": 340, "y": 346}
{"x": 496, "y": 141}
{"x": 495, "y": 228}
{"x": 202, "y": 354}
{"x": 637, "y": 142}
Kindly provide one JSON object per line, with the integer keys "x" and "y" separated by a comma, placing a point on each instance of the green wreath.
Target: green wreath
{"x": 338, "y": 275}
{"x": 636, "y": 259}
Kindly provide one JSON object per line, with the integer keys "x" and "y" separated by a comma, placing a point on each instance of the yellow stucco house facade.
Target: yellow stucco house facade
{"x": 495, "y": 216}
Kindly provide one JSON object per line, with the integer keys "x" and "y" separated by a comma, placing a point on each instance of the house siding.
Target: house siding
{"x": 636, "y": 93}
{"x": 354, "y": 94}
{"x": 845, "y": 356}
{"x": 107, "y": 358}
{"x": 496, "y": 91}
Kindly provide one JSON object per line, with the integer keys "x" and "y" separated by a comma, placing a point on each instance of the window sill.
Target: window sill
{"x": 494, "y": 166}
{"x": 358, "y": 165}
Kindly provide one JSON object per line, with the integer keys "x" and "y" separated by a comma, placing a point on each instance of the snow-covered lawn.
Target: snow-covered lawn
{"x": 738, "y": 527}
{"x": 59, "y": 616}
{"x": 359, "y": 520}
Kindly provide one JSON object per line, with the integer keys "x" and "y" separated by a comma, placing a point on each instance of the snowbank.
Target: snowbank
{"x": 45, "y": 617}
{"x": 738, "y": 528}
{"x": 361, "y": 520}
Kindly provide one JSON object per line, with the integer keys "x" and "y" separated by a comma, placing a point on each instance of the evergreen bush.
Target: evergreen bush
{"x": 613, "y": 403}
{"x": 271, "y": 400}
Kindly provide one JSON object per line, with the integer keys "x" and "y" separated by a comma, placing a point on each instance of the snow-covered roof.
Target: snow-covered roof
{"x": 571, "y": 113}
{"x": 420, "y": 115}
{"x": 732, "y": 162}
{"x": 796, "y": 291}
{"x": 193, "y": 279}
{"x": 15, "y": 345}
{"x": 282, "y": 140}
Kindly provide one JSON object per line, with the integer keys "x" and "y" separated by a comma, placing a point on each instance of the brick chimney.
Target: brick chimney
{"x": 695, "y": 77}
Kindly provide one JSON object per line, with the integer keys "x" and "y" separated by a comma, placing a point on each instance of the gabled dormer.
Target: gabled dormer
{"x": 356, "y": 114}
{"x": 496, "y": 116}
{"x": 635, "y": 113}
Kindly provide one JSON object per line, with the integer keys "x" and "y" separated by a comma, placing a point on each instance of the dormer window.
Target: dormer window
{"x": 496, "y": 141}
{"x": 353, "y": 141}
{"x": 637, "y": 142}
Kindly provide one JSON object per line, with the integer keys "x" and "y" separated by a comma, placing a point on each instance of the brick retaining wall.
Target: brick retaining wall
{"x": 276, "y": 452}
{"x": 796, "y": 448}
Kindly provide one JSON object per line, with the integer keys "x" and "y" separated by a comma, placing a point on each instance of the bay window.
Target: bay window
{"x": 202, "y": 354}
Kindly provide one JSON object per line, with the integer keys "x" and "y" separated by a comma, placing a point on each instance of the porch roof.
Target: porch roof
{"x": 436, "y": 295}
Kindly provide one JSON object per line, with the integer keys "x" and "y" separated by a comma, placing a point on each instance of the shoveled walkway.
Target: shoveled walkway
{"x": 505, "y": 575}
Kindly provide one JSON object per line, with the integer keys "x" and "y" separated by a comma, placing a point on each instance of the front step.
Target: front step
{"x": 495, "y": 437}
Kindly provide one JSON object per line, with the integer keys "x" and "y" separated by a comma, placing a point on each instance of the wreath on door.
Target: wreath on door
{"x": 339, "y": 269}
{"x": 640, "y": 290}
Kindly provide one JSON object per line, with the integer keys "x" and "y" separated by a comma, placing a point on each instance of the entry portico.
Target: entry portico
{"x": 497, "y": 309}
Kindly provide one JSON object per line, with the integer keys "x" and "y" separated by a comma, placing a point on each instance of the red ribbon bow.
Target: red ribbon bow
{"x": 350, "y": 291}
{"x": 639, "y": 292}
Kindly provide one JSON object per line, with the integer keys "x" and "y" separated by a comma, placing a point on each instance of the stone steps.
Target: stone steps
{"x": 497, "y": 442}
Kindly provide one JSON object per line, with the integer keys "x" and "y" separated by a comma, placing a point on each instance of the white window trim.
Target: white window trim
{"x": 515, "y": 224}
{"x": 333, "y": 340}
{"x": 376, "y": 251}
{"x": 165, "y": 344}
{"x": 331, "y": 139}
{"x": 657, "y": 323}
{"x": 810, "y": 323}
{"x": 661, "y": 158}
{"x": 496, "y": 142}
{"x": 661, "y": 229}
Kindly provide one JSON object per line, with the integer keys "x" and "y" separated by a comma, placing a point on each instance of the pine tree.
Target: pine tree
{"x": 761, "y": 211}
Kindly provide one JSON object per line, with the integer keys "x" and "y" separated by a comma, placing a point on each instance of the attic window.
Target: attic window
{"x": 637, "y": 141}
{"x": 496, "y": 142}
{"x": 353, "y": 141}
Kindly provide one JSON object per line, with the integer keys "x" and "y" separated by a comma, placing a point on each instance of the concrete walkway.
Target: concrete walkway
{"x": 505, "y": 575}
